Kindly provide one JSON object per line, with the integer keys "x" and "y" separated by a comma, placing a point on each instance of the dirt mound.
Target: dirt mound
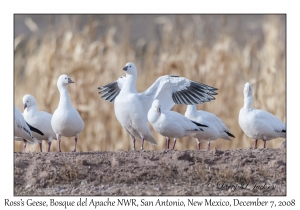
{"x": 170, "y": 172}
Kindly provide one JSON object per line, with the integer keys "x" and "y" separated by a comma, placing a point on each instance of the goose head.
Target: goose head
{"x": 130, "y": 69}
{"x": 64, "y": 80}
{"x": 28, "y": 101}
{"x": 156, "y": 106}
{"x": 247, "y": 89}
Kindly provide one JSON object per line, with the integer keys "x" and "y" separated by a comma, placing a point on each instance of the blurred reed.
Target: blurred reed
{"x": 92, "y": 62}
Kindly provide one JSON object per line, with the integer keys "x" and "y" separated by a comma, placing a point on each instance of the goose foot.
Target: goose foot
{"x": 59, "y": 149}
{"x": 198, "y": 144}
{"x": 24, "y": 145}
{"x": 168, "y": 143}
{"x": 49, "y": 146}
{"x": 133, "y": 141}
{"x": 41, "y": 149}
{"x": 174, "y": 143}
{"x": 255, "y": 144}
{"x": 142, "y": 148}
{"x": 75, "y": 144}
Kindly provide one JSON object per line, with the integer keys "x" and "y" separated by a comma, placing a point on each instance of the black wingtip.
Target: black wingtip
{"x": 35, "y": 130}
{"x": 284, "y": 131}
{"x": 198, "y": 124}
{"x": 229, "y": 134}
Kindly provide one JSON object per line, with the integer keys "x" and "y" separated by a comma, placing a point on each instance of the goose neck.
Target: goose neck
{"x": 248, "y": 102}
{"x": 64, "y": 96}
{"x": 31, "y": 109}
{"x": 190, "y": 110}
{"x": 129, "y": 84}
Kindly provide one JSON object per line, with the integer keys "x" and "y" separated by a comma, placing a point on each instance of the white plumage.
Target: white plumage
{"x": 131, "y": 107}
{"x": 259, "y": 124}
{"x": 38, "y": 119}
{"x": 22, "y": 130}
{"x": 66, "y": 120}
{"x": 171, "y": 124}
{"x": 215, "y": 130}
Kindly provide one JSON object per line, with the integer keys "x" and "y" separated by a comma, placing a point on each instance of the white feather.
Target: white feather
{"x": 169, "y": 123}
{"x": 66, "y": 120}
{"x": 21, "y": 130}
{"x": 38, "y": 119}
{"x": 131, "y": 108}
{"x": 259, "y": 124}
{"x": 216, "y": 128}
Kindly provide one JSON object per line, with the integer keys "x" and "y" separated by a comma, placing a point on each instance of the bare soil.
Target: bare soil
{"x": 170, "y": 172}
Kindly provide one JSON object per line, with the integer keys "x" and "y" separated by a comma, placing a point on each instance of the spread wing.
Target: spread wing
{"x": 112, "y": 90}
{"x": 173, "y": 89}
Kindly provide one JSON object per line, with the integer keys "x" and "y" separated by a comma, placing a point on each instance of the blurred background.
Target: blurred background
{"x": 223, "y": 51}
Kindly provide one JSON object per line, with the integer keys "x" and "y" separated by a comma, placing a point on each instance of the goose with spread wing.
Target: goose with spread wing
{"x": 131, "y": 108}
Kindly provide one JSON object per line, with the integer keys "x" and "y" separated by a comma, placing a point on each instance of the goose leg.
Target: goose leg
{"x": 168, "y": 142}
{"x": 24, "y": 145}
{"x": 208, "y": 145}
{"x": 41, "y": 148}
{"x": 133, "y": 141}
{"x": 255, "y": 145}
{"x": 198, "y": 144}
{"x": 174, "y": 143}
{"x": 142, "y": 148}
{"x": 75, "y": 143}
{"x": 59, "y": 140}
{"x": 49, "y": 146}
{"x": 265, "y": 141}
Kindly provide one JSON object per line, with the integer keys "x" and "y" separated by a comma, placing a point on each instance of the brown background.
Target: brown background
{"x": 223, "y": 51}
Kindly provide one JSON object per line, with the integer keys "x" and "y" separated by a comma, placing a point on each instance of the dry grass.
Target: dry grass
{"x": 93, "y": 62}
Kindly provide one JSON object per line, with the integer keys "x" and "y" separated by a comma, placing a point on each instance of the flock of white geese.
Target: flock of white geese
{"x": 133, "y": 110}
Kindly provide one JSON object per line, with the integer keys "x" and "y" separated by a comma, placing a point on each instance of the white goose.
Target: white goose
{"x": 39, "y": 119}
{"x": 215, "y": 130}
{"x": 131, "y": 108}
{"x": 22, "y": 130}
{"x": 171, "y": 124}
{"x": 66, "y": 120}
{"x": 259, "y": 124}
